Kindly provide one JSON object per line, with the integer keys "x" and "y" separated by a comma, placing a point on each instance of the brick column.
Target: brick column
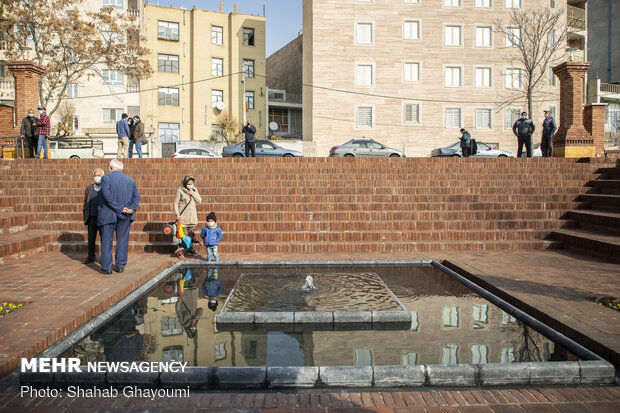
{"x": 27, "y": 76}
{"x": 572, "y": 140}
{"x": 594, "y": 122}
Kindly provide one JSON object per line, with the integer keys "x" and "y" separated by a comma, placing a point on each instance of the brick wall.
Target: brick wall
{"x": 594, "y": 122}
{"x": 6, "y": 121}
{"x": 27, "y": 76}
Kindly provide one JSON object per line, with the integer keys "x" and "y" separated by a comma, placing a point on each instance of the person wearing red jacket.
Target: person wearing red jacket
{"x": 44, "y": 132}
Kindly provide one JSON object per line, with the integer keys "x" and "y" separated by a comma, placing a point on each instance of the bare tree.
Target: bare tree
{"x": 64, "y": 127}
{"x": 72, "y": 44}
{"x": 229, "y": 127}
{"x": 538, "y": 38}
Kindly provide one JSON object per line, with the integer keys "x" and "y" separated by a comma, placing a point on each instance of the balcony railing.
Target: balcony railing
{"x": 133, "y": 12}
{"x": 576, "y": 55}
{"x": 576, "y": 17}
{"x": 133, "y": 88}
{"x": 7, "y": 89}
{"x": 610, "y": 88}
{"x": 287, "y": 97}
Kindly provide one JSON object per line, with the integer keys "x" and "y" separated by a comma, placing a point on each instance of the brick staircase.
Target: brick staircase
{"x": 311, "y": 204}
{"x": 595, "y": 225}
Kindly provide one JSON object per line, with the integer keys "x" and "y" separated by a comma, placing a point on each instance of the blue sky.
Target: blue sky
{"x": 284, "y": 17}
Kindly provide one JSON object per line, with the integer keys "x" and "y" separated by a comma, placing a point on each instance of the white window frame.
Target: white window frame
{"x": 217, "y": 66}
{"x": 450, "y": 316}
{"x": 449, "y": 80}
{"x": 480, "y": 315}
{"x": 481, "y": 36}
{"x": 216, "y": 96}
{"x": 411, "y": 1}
{"x": 172, "y": 27}
{"x": 418, "y": 71}
{"x": 512, "y": 74}
{"x": 479, "y": 354}
{"x": 450, "y": 354}
{"x": 169, "y": 93}
{"x": 409, "y": 359}
{"x": 162, "y": 57}
{"x": 483, "y": 4}
{"x": 510, "y": 117}
{"x": 514, "y": 4}
{"x": 248, "y": 68}
{"x": 553, "y": 79}
{"x": 372, "y": 115}
{"x": 483, "y": 84}
{"x": 447, "y": 124}
{"x": 513, "y": 36}
{"x": 412, "y": 36}
{"x": 217, "y": 36}
{"x": 415, "y": 119}
{"x": 251, "y": 34}
{"x": 364, "y": 32}
{"x": 115, "y": 4}
{"x": 113, "y": 77}
{"x": 111, "y": 119}
{"x": 448, "y": 35}
{"x": 367, "y": 80}
{"x": 72, "y": 90}
{"x": 249, "y": 99}
{"x": 452, "y": 3}
{"x": 168, "y": 126}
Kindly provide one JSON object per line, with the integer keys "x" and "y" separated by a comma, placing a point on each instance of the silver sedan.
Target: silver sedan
{"x": 364, "y": 148}
{"x": 263, "y": 149}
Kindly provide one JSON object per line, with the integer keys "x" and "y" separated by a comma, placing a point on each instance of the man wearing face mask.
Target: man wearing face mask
{"x": 523, "y": 130}
{"x": 89, "y": 212}
{"x": 29, "y": 131}
{"x": 44, "y": 125}
{"x": 185, "y": 200}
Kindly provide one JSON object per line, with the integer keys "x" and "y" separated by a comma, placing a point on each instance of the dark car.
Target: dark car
{"x": 263, "y": 149}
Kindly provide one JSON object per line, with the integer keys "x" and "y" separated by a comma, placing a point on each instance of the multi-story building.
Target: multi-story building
{"x": 411, "y": 73}
{"x": 204, "y": 63}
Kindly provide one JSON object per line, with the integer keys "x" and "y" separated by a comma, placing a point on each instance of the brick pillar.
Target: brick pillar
{"x": 594, "y": 122}
{"x": 572, "y": 140}
{"x": 6, "y": 121}
{"x": 26, "y": 74}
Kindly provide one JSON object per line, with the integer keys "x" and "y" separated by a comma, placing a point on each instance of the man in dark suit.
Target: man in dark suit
{"x": 117, "y": 204}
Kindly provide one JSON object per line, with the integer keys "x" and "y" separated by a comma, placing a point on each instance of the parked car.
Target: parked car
{"x": 193, "y": 153}
{"x": 263, "y": 149}
{"x": 364, "y": 148}
{"x": 484, "y": 151}
{"x": 73, "y": 148}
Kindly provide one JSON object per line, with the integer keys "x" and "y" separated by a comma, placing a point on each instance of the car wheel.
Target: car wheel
{"x": 237, "y": 155}
{"x": 74, "y": 157}
{"x": 348, "y": 155}
{"x": 502, "y": 156}
{"x": 394, "y": 155}
{"x": 288, "y": 155}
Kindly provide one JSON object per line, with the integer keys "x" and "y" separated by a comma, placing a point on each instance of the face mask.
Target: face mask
{"x": 190, "y": 187}
{"x": 211, "y": 224}
{"x": 97, "y": 179}
{"x": 31, "y": 115}
{"x": 523, "y": 117}
{"x": 40, "y": 112}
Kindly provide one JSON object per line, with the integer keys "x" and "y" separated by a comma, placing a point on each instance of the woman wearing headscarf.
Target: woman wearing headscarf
{"x": 185, "y": 201}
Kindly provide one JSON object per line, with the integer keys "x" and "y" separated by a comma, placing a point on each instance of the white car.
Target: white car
{"x": 75, "y": 148}
{"x": 194, "y": 153}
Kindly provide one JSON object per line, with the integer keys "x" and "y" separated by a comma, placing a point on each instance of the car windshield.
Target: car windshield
{"x": 455, "y": 146}
{"x": 483, "y": 146}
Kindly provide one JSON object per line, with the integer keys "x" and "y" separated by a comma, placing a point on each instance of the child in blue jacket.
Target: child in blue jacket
{"x": 211, "y": 235}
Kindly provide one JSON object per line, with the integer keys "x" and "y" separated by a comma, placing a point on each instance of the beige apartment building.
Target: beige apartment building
{"x": 411, "y": 73}
{"x": 204, "y": 63}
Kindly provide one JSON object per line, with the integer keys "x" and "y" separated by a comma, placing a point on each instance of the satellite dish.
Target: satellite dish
{"x": 273, "y": 126}
{"x": 220, "y": 105}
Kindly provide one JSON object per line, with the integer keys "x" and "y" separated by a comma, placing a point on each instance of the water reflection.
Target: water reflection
{"x": 450, "y": 324}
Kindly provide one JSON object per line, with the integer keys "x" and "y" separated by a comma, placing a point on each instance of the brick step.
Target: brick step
{"x": 408, "y": 225}
{"x": 331, "y": 207}
{"x": 593, "y": 220}
{"x": 602, "y": 201}
{"x": 609, "y": 173}
{"x": 593, "y": 242}
{"x": 308, "y": 247}
{"x": 226, "y": 216}
{"x": 23, "y": 243}
{"x": 7, "y": 203}
{"x": 338, "y": 236}
{"x": 12, "y": 222}
{"x": 606, "y": 186}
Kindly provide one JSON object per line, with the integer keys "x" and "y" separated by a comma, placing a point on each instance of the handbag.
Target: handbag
{"x": 170, "y": 227}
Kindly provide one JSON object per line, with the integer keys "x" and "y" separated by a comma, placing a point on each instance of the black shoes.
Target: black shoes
{"x": 119, "y": 269}
{"x": 89, "y": 261}
{"x": 106, "y": 272}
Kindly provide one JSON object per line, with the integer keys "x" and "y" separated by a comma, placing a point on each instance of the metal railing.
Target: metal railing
{"x": 610, "y": 88}
{"x": 17, "y": 142}
{"x": 287, "y": 97}
{"x": 576, "y": 17}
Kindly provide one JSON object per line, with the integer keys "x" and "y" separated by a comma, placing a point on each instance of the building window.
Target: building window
{"x": 364, "y": 75}
{"x": 513, "y": 36}
{"x": 115, "y": 4}
{"x": 249, "y": 100}
{"x": 483, "y": 3}
{"x": 170, "y": 326}
{"x": 453, "y": 77}
{"x": 76, "y": 123}
{"x": 72, "y": 90}
{"x": 112, "y": 38}
{"x": 507, "y": 355}
{"x": 133, "y": 111}
{"x": 553, "y": 4}
{"x": 168, "y": 30}
{"x": 513, "y": 4}
{"x": 248, "y": 36}
{"x": 450, "y": 354}
{"x": 112, "y": 77}
{"x": 217, "y": 35}
{"x": 480, "y": 312}
{"x": 279, "y": 116}
{"x": 168, "y": 96}
{"x": 168, "y": 63}
{"x": 411, "y": 30}
{"x": 411, "y": 112}
{"x": 412, "y": 71}
{"x": 452, "y": 36}
{"x": 363, "y": 33}
{"x": 451, "y": 3}
{"x": 484, "y": 37}
{"x": 169, "y": 133}
{"x": 411, "y": 1}
{"x": 483, "y": 118}
{"x": 216, "y": 96}
{"x": 220, "y": 351}
{"x": 363, "y": 357}
{"x": 552, "y": 78}
{"x": 217, "y": 66}
{"x": 410, "y": 359}
{"x": 110, "y": 116}
{"x": 453, "y": 121}
{"x": 450, "y": 315}
{"x": 512, "y": 114}
{"x": 364, "y": 117}
{"x": 552, "y": 37}
{"x": 479, "y": 354}
{"x": 248, "y": 68}
{"x": 415, "y": 322}
{"x": 513, "y": 78}
{"x": 483, "y": 77}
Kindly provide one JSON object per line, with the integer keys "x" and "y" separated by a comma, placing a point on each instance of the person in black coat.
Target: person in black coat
{"x": 250, "y": 141}
{"x": 523, "y": 130}
{"x": 89, "y": 212}
{"x": 549, "y": 128}
{"x": 29, "y": 131}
